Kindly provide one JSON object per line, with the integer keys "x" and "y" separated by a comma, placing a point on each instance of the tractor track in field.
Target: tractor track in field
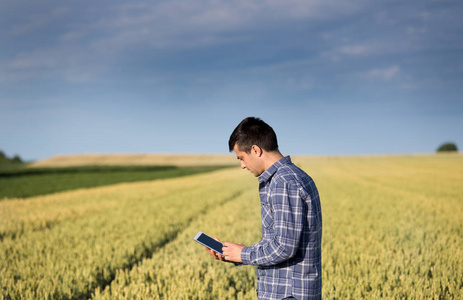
{"x": 148, "y": 251}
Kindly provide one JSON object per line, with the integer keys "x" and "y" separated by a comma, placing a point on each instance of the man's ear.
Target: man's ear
{"x": 256, "y": 150}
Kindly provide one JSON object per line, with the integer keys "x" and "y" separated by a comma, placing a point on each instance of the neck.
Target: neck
{"x": 271, "y": 158}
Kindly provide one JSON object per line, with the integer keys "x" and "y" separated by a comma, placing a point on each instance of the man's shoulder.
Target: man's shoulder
{"x": 291, "y": 174}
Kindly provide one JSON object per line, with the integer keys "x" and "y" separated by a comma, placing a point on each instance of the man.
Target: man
{"x": 289, "y": 255}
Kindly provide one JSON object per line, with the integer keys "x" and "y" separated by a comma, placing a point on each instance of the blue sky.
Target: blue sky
{"x": 331, "y": 77}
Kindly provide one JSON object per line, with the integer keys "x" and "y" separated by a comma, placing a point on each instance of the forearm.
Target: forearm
{"x": 269, "y": 253}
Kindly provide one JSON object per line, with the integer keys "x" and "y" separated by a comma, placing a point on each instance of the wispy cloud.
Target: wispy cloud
{"x": 341, "y": 51}
{"x": 206, "y": 23}
{"x": 36, "y": 21}
{"x": 384, "y": 73}
{"x": 83, "y": 44}
{"x": 68, "y": 63}
{"x": 80, "y": 51}
{"x": 354, "y": 50}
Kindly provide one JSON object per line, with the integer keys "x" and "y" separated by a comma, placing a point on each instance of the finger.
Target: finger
{"x": 209, "y": 251}
{"x": 213, "y": 254}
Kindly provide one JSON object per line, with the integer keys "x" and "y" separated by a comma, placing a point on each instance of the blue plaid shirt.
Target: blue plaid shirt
{"x": 289, "y": 255}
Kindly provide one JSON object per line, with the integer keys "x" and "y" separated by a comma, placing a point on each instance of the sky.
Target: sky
{"x": 331, "y": 77}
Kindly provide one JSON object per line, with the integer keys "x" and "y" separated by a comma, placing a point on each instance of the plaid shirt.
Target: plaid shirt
{"x": 289, "y": 255}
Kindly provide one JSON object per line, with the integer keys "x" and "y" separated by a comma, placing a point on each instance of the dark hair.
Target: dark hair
{"x": 253, "y": 131}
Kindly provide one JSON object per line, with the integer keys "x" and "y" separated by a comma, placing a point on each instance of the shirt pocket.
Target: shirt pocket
{"x": 267, "y": 216}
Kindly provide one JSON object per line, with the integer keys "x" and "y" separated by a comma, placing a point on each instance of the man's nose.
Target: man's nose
{"x": 243, "y": 166}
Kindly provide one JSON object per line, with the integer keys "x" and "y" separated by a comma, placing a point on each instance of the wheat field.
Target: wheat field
{"x": 392, "y": 229}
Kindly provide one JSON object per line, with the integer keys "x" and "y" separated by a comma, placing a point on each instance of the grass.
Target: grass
{"x": 179, "y": 160}
{"x": 29, "y": 182}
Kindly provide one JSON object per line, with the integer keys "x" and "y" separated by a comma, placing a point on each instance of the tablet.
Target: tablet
{"x": 209, "y": 242}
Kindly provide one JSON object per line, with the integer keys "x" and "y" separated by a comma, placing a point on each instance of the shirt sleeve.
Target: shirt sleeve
{"x": 285, "y": 232}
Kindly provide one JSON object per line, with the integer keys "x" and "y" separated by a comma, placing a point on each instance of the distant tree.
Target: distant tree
{"x": 6, "y": 160}
{"x": 3, "y": 158}
{"x": 447, "y": 147}
{"x": 17, "y": 159}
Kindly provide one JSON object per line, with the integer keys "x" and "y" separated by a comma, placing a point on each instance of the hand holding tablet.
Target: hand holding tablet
{"x": 208, "y": 242}
{"x": 232, "y": 250}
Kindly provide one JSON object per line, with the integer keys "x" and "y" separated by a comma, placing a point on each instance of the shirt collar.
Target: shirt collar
{"x": 264, "y": 177}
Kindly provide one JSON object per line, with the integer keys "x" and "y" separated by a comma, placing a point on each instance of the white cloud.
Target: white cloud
{"x": 365, "y": 49}
{"x": 415, "y": 30}
{"x": 384, "y": 74}
{"x": 354, "y": 50}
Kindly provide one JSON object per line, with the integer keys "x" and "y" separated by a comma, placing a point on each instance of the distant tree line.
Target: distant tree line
{"x": 4, "y": 159}
{"x": 447, "y": 147}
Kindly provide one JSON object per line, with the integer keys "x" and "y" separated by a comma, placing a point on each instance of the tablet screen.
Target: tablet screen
{"x": 210, "y": 242}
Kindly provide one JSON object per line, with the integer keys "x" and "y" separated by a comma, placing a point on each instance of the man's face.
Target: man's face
{"x": 250, "y": 161}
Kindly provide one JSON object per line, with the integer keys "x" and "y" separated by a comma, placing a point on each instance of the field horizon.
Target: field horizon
{"x": 186, "y": 159}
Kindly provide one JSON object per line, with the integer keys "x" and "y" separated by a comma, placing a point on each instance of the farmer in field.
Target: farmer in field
{"x": 289, "y": 255}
